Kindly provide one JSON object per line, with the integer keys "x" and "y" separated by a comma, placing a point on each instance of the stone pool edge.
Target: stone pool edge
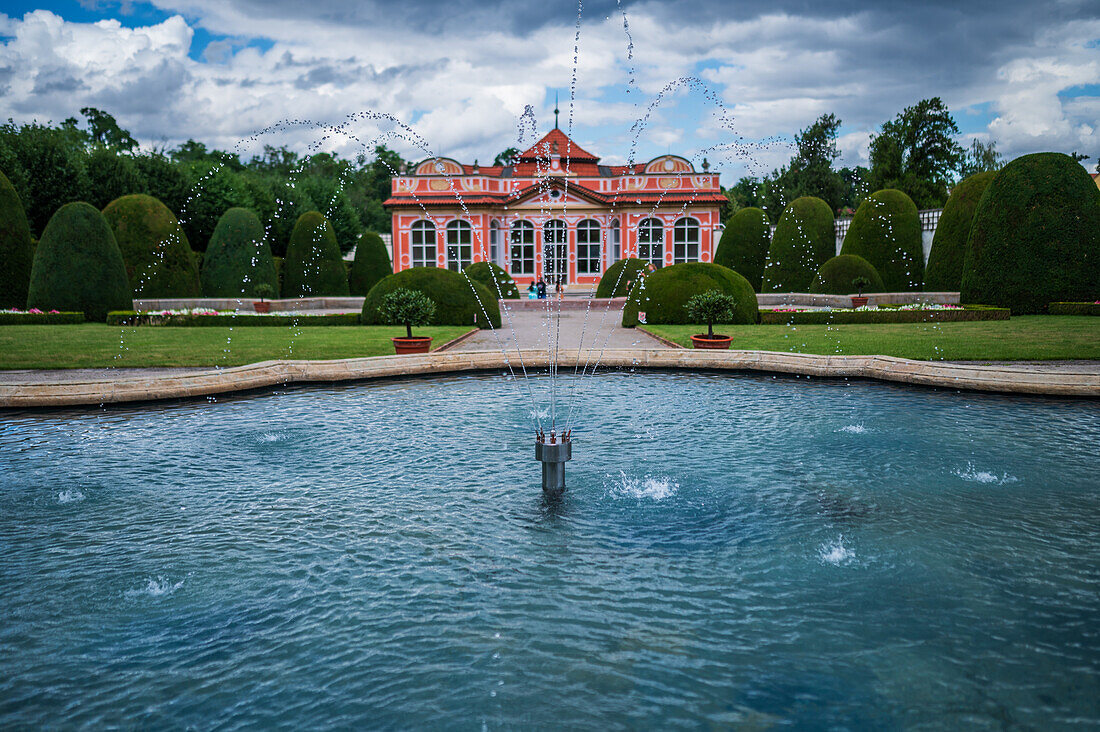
{"x": 285, "y": 372}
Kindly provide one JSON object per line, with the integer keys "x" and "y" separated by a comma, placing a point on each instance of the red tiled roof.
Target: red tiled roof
{"x": 568, "y": 149}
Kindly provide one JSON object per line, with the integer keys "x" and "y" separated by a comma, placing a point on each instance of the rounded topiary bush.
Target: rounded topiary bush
{"x": 744, "y": 245}
{"x": 804, "y": 239}
{"x": 313, "y": 266}
{"x": 617, "y": 278}
{"x": 372, "y": 263}
{"x": 78, "y": 266}
{"x": 835, "y": 276}
{"x": 667, "y": 291}
{"x": 16, "y": 249}
{"x": 886, "y": 232}
{"x": 154, "y": 248}
{"x": 492, "y": 277}
{"x": 238, "y": 258}
{"x": 1035, "y": 237}
{"x": 458, "y": 300}
{"x": 945, "y": 260}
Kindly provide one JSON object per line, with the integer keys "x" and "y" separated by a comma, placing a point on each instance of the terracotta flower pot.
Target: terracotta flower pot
{"x": 718, "y": 342}
{"x": 858, "y": 301}
{"x": 261, "y": 307}
{"x": 416, "y": 344}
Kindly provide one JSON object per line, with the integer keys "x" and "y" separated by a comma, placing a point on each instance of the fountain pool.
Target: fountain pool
{"x": 731, "y": 550}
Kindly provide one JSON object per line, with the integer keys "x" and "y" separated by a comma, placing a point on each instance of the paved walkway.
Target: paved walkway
{"x": 530, "y": 327}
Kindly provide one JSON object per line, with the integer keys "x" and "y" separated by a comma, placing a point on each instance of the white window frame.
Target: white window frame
{"x": 588, "y": 247}
{"x": 651, "y": 241}
{"x": 423, "y": 244}
{"x": 685, "y": 248}
{"x": 521, "y": 245}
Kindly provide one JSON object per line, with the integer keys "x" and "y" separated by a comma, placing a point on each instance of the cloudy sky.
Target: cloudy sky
{"x": 729, "y": 79}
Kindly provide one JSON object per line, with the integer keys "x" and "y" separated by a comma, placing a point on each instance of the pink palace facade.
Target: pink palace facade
{"x": 556, "y": 213}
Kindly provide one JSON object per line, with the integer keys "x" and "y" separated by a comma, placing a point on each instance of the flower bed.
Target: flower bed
{"x": 916, "y": 313}
{"x": 199, "y": 317}
{"x": 34, "y": 316}
{"x": 1075, "y": 308}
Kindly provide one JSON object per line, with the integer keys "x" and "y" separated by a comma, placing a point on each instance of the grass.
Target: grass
{"x": 94, "y": 345}
{"x": 1023, "y": 338}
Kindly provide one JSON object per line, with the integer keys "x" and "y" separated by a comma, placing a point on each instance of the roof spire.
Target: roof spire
{"x": 556, "y": 110}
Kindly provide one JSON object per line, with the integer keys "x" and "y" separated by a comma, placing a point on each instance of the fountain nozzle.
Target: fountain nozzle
{"x": 553, "y": 455}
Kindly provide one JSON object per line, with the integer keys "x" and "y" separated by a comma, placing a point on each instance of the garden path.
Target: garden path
{"x": 530, "y": 328}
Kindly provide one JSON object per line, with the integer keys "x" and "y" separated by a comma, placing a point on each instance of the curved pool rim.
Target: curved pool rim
{"x": 285, "y": 372}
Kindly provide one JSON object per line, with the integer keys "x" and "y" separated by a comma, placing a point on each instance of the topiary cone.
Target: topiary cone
{"x": 372, "y": 263}
{"x": 78, "y": 265}
{"x": 744, "y": 245}
{"x": 886, "y": 232}
{"x": 945, "y": 260}
{"x": 154, "y": 248}
{"x": 313, "y": 265}
{"x": 16, "y": 250}
{"x": 804, "y": 239}
{"x": 238, "y": 258}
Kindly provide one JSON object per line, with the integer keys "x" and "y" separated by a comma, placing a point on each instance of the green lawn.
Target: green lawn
{"x": 95, "y": 345}
{"x": 1023, "y": 338}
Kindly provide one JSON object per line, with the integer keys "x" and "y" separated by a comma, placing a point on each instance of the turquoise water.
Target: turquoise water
{"x": 732, "y": 550}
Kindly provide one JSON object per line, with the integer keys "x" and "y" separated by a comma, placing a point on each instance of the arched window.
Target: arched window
{"x": 616, "y": 242}
{"x": 588, "y": 247}
{"x": 460, "y": 250}
{"x": 423, "y": 244}
{"x": 494, "y": 241}
{"x": 685, "y": 241}
{"x": 555, "y": 252}
{"x": 651, "y": 241}
{"x": 523, "y": 248}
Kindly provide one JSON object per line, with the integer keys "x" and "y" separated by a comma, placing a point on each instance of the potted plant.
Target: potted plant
{"x": 408, "y": 308}
{"x": 859, "y": 283}
{"x": 263, "y": 290}
{"x": 711, "y": 307}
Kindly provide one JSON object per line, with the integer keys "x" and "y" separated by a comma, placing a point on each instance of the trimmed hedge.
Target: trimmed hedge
{"x": 744, "y": 245}
{"x": 487, "y": 272}
{"x": 804, "y": 239}
{"x": 668, "y": 289}
{"x": 886, "y": 232}
{"x": 853, "y": 317}
{"x": 78, "y": 265}
{"x": 1075, "y": 308}
{"x": 154, "y": 248}
{"x": 945, "y": 259}
{"x": 238, "y": 258}
{"x": 133, "y": 318}
{"x": 455, "y": 301}
{"x": 313, "y": 266}
{"x": 615, "y": 282}
{"x": 371, "y": 264}
{"x": 41, "y": 318}
{"x": 16, "y": 249}
{"x": 835, "y": 276}
{"x": 1036, "y": 237}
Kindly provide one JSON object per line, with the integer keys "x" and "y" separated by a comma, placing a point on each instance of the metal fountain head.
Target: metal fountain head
{"x": 553, "y": 453}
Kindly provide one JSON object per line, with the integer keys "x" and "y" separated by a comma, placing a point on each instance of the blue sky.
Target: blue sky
{"x": 461, "y": 73}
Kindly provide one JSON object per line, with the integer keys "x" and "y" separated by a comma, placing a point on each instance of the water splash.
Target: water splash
{"x": 650, "y": 487}
{"x": 155, "y": 587}
{"x": 982, "y": 476}
{"x": 70, "y": 495}
{"x": 835, "y": 553}
{"x": 854, "y": 429}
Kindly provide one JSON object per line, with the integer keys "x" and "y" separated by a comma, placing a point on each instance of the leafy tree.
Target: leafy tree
{"x": 111, "y": 176}
{"x": 506, "y": 156}
{"x": 747, "y": 192}
{"x": 855, "y": 187}
{"x": 104, "y": 130}
{"x": 164, "y": 180}
{"x": 408, "y": 308}
{"x": 980, "y": 158}
{"x": 279, "y": 160}
{"x": 214, "y": 191}
{"x": 52, "y": 167}
{"x": 917, "y": 153}
{"x": 710, "y": 307}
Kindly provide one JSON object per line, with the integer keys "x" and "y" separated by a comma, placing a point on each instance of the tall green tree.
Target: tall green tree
{"x": 810, "y": 172}
{"x": 111, "y": 176}
{"x": 980, "y": 157}
{"x": 104, "y": 130}
{"x": 506, "y": 156}
{"x": 917, "y": 153}
{"x": 52, "y": 171}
